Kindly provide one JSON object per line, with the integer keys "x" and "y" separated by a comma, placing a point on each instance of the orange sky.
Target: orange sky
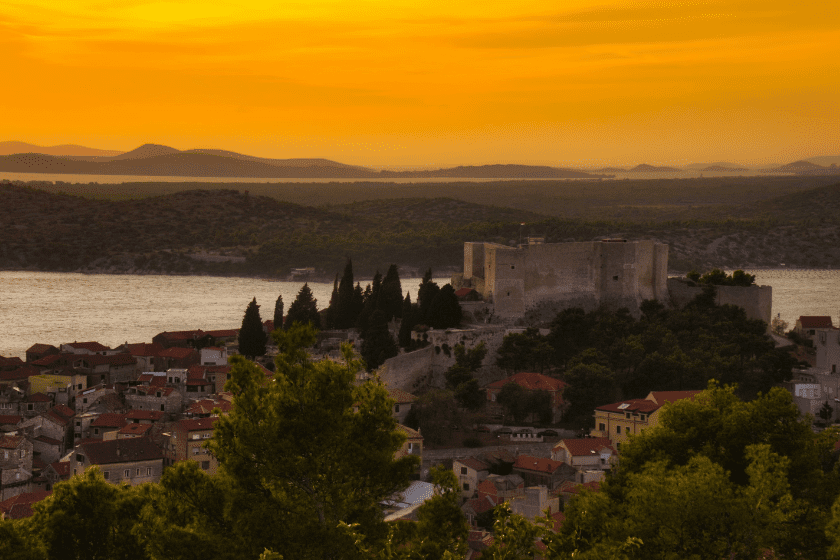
{"x": 397, "y": 82}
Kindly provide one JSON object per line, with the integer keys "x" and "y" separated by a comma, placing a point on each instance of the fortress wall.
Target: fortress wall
{"x": 559, "y": 272}
{"x": 646, "y": 270}
{"x": 660, "y": 269}
{"x": 404, "y": 370}
{"x": 473, "y": 260}
{"x": 618, "y": 286}
{"x": 757, "y": 301}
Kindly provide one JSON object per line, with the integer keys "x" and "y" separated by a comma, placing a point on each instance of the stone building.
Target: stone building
{"x": 611, "y": 272}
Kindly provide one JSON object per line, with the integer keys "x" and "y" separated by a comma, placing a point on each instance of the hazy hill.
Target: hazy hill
{"x": 727, "y": 165}
{"x": 646, "y": 168}
{"x": 721, "y": 168}
{"x": 157, "y": 160}
{"x": 825, "y": 161}
{"x": 13, "y": 147}
{"x": 176, "y": 233}
{"x": 798, "y": 166}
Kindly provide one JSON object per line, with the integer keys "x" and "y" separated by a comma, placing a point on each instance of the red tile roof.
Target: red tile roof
{"x": 11, "y": 362}
{"x": 537, "y": 464}
{"x": 815, "y": 322}
{"x": 633, "y": 405}
{"x": 12, "y": 419}
{"x": 153, "y": 415}
{"x": 109, "y": 420}
{"x": 91, "y": 346}
{"x": 463, "y": 292}
{"x": 480, "y": 505}
{"x": 144, "y": 349}
{"x": 530, "y": 381}
{"x": 64, "y": 358}
{"x": 20, "y": 506}
{"x": 10, "y": 442}
{"x": 121, "y": 451}
{"x": 585, "y": 446}
{"x": 206, "y": 406}
{"x": 19, "y": 374}
{"x": 47, "y": 440}
{"x": 61, "y": 468}
{"x": 224, "y": 333}
{"x": 123, "y": 359}
{"x": 38, "y": 397}
{"x": 573, "y": 488}
{"x": 196, "y": 424}
{"x": 39, "y": 348}
{"x": 474, "y": 464}
{"x": 177, "y": 353}
{"x": 401, "y": 396}
{"x": 135, "y": 429}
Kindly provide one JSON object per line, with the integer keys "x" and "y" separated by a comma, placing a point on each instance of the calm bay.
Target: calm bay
{"x": 55, "y": 308}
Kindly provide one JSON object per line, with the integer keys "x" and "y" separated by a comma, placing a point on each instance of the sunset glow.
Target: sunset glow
{"x": 397, "y": 82}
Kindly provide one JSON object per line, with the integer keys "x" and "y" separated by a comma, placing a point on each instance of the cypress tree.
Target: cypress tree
{"x": 278, "y": 312}
{"x": 392, "y": 298}
{"x": 346, "y": 312}
{"x": 332, "y": 310}
{"x": 252, "y": 337}
{"x": 304, "y": 310}
{"x": 445, "y": 309}
{"x": 358, "y": 303}
{"x": 377, "y": 343}
{"x": 409, "y": 321}
{"x": 425, "y": 295}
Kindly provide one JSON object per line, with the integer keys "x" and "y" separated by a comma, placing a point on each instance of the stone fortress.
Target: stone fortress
{"x": 531, "y": 283}
{"x": 588, "y": 274}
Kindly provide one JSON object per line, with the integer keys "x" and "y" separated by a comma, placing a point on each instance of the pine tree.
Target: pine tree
{"x": 252, "y": 337}
{"x": 304, "y": 310}
{"x": 278, "y": 312}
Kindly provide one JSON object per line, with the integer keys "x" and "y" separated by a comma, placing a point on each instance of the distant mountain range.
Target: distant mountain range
{"x": 157, "y": 160}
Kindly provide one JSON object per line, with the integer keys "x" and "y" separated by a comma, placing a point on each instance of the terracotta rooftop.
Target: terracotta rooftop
{"x": 38, "y": 397}
{"x": 61, "y": 468}
{"x": 195, "y": 424}
{"x": 815, "y": 321}
{"x": 39, "y": 348}
{"x": 12, "y": 419}
{"x": 585, "y": 446}
{"x": 537, "y": 464}
{"x": 530, "y": 381}
{"x": 474, "y": 464}
{"x": 135, "y": 429}
{"x": 20, "y": 506}
{"x": 10, "y": 442}
{"x": 121, "y": 451}
{"x": 109, "y": 420}
{"x": 401, "y": 396}
{"x": 412, "y": 434}
{"x": 91, "y": 346}
{"x": 153, "y": 415}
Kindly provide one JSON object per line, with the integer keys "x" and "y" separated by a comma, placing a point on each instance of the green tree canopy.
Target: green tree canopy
{"x": 278, "y": 312}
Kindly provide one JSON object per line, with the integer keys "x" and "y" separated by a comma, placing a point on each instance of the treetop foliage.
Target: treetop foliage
{"x": 252, "y": 337}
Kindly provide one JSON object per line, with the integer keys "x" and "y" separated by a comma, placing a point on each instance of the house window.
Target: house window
{"x": 5, "y": 454}
{"x": 466, "y": 486}
{"x": 196, "y": 450}
{"x": 30, "y": 406}
{"x": 79, "y": 386}
{"x": 96, "y": 431}
{"x": 512, "y": 267}
{"x": 106, "y": 474}
{"x": 627, "y": 415}
{"x": 206, "y": 436}
{"x": 84, "y": 401}
{"x": 602, "y": 427}
{"x": 463, "y": 470}
{"x": 148, "y": 471}
{"x": 162, "y": 408}
{"x": 618, "y": 429}
{"x": 615, "y": 277}
{"x": 642, "y": 417}
{"x": 157, "y": 394}
{"x": 126, "y": 473}
{"x": 396, "y": 407}
{"x": 196, "y": 436}
{"x": 138, "y": 472}
{"x": 78, "y": 422}
{"x": 205, "y": 465}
